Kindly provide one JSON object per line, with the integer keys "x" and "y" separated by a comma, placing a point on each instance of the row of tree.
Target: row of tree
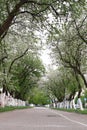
{"x": 19, "y": 71}
{"x": 68, "y": 43}
{"x": 66, "y": 27}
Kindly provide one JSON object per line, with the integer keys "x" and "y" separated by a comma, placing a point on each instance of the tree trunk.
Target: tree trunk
{"x": 9, "y": 19}
{"x": 80, "y": 104}
{"x": 83, "y": 77}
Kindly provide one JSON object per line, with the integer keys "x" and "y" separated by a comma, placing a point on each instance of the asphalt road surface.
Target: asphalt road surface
{"x": 42, "y": 119}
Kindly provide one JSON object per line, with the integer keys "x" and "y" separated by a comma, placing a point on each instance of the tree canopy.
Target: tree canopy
{"x": 66, "y": 34}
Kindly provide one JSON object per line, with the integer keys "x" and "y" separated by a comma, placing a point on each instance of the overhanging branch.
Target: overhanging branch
{"x": 78, "y": 31}
{"x": 5, "y": 26}
{"x": 16, "y": 60}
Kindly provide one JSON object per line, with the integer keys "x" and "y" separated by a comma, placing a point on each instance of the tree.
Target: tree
{"x": 62, "y": 83}
{"x": 6, "y": 64}
{"x": 25, "y": 75}
{"x": 11, "y": 9}
{"x": 12, "y": 52}
{"x": 71, "y": 51}
{"x": 67, "y": 39}
{"x": 19, "y": 19}
{"x": 39, "y": 97}
{"x": 55, "y": 86}
{"x": 81, "y": 28}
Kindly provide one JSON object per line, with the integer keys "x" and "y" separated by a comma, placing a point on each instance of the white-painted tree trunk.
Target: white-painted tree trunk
{"x": 74, "y": 106}
{"x": 2, "y": 99}
{"x": 71, "y": 104}
{"x": 58, "y": 105}
{"x": 54, "y": 105}
{"x": 79, "y": 102}
{"x": 67, "y": 105}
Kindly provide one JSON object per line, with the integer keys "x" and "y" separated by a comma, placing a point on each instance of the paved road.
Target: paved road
{"x": 42, "y": 119}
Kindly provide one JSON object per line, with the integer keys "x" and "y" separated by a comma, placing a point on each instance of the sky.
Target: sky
{"x": 46, "y": 59}
{"x": 45, "y": 51}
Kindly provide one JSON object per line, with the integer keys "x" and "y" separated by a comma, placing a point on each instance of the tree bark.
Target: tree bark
{"x": 9, "y": 19}
{"x": 7, "y": 23}
{"x": 83, "y": 77}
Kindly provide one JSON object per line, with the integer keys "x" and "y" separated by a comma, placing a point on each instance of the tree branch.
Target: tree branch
{"x": 4, "y": 27}
{"x": 4, "y": 57}
{"x": 79, "y": 34}
{"x": 16, "y": 60}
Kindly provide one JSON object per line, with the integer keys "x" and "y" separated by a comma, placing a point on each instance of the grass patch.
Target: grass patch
{"x": 11, "y": 108}
{"x": 81, "y": 112}
{"x": 72, "y": 110}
